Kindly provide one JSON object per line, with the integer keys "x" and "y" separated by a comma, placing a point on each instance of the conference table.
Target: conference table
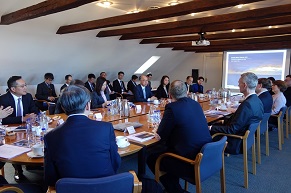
{"x": 134, "y": 147}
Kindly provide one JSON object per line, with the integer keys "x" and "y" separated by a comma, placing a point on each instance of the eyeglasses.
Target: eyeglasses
{"x": 21, "y": 86}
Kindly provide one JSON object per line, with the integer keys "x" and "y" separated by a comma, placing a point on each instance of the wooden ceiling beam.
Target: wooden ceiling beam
{"x": 262, "y": 13}
{"x": 230, "y": 35}
{"x": 42, "y": 9}
{"x": 232, "y": 42}
{"x": 161, "y": 13}
{"x": 282, "y": 20}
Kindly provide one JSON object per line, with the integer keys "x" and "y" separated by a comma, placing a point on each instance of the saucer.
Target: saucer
{"x": 31, "y": 155}
{"x": 127, "y": 144}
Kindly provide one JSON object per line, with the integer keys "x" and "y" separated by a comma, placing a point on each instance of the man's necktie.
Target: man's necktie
{"x": 121, "y": 85}
{"x": 144, "y": 93}
{"x": 19, "y": 113}
{"x": 91, "y": 86}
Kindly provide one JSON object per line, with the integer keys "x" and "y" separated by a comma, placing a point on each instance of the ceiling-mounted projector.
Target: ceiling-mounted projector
{"x": 202, "y": 41}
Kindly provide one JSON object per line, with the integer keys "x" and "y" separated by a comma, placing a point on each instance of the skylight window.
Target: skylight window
{"x": 147, "y": 64}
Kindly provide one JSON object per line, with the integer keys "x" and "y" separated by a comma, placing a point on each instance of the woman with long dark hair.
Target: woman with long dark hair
{"x": 163, "y": 89}
{"x": 100, "y": 97}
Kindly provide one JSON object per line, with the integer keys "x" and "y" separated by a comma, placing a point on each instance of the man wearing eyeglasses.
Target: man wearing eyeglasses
{"x": 24, "y": 108}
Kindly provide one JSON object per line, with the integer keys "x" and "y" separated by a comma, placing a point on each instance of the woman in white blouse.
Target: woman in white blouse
{"x": 100, "y": 97}
{"x": 279, "y": 99}
{"x": 163, "y": 89}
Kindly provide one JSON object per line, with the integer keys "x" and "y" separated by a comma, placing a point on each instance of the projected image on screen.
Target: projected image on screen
{"x": 263, "y": 63}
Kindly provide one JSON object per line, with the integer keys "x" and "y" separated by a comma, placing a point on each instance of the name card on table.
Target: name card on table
{"x": 130, "y": 130}
{"x": 138, "y": 108}
{"x": 98, "y": 116}
{"x": 60, "y": 121}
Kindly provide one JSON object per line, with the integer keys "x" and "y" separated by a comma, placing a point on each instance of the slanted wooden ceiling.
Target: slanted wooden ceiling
{"x": 259, "y": 25}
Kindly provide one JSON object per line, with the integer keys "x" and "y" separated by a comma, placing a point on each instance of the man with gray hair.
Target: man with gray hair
{"x": 250, "y": 111}
{"x": 183, "y": 131}
{"x": 80, "y": 147}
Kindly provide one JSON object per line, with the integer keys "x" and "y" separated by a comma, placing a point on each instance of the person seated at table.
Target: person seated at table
{"x": 249, "y": 111}
{"x": 279, "y": 101}
{"x": 118, "y": 84}
{"x": 188, "y": 83}
{"x": 287, "y": 92}
{"x": 132, "y": 84}
{"x": 183, "y": 130}
{"x": 198, "y": 87}
{"x": 149, "y": 75}
{"x": 142, "y": 92}
{"x": 46, "y": 91}
{"x": 80, "y": 147}
{"x": 100, "y": 97}
{"x": 24, "y": 108}
{"x": 264, "y": 95}
{"x": 90, "y": 85}
{"x": 68, "y": 79}
{"x": 163, "y": 89}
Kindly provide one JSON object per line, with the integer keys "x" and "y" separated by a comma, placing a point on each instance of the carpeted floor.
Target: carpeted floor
{"x": 273, "y": 175}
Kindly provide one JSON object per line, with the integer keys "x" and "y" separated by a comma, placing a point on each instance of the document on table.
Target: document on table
{"x": 10, "y": 151}
{"x": 215, "y": 113}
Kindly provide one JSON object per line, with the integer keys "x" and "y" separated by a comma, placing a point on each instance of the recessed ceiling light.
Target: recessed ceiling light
{"x": 173, "y": 3}
{"x": 270, "y": 27}
{"x": 240, "y": 6}
{"x": 133, "y": 11}
{"x": 233, "y": 30}
{"x": 105, "y": 3}
{"x": 192, "y": 14}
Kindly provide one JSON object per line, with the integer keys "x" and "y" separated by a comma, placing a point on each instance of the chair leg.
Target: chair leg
{"x": 267, "y": 142}
{"x": 279, "y": 135}
{"x": 222, "y": 177}
{"x": 258, "y": 145}
{"x": 186, "y": 186}
{"x": 245, "y": 155}
{"x": 197, "y": 179}
{"x": 287, "y": 126}
{"x": 2, "y": 171}
{"x": 254, "y": 158}
{"x": 282, "y": 132}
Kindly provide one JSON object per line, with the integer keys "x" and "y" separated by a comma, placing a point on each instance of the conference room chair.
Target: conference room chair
{"x": 124, "y": 182}
{"x": 18, "y": 188}
{"x": 280, "y": 118}
{"x": 287, "y": 121}
{"x": 209, "y": 161}
{"x": 263, "y": 129}
{"x": 248, "y": 141}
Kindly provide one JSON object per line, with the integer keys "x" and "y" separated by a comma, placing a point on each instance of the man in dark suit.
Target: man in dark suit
{"x": 188, "y": 83}
{"x": 183, "y": 131}
{"x": 90, "y": 84}
{"x": 263, "y": 93}
{"x": 197, "y": 87}
{"x": 142, "y": 92}
{"x": 132, "y": 83}
{"x": 287, "y": 92}
{"x": 118, "y": 84}
{"x": 24, "y": 108}
{"x": 68, "y": 79}
{"x": 250, "y": 111}
{"x": 90, "y": 146}
{"x": 46, "y": 90}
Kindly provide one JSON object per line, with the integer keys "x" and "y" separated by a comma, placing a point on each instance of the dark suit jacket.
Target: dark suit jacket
{"x": 184, "y": 128}
{"x": 64, "y": 86}
{"x": 250, "y": 111}
{"x": 43, "y": 91}
{"x": 138, "y": 94}
{"x": 197, "y": 88}
{"x": 109, "y": 85}
{"x": 97, "y": 101}
{"x": 190, "y": 87}
{"x": 287, "y": 94}
{"x": 80, "y": 148}
{"x": 161, "y": 93}
{"x": 88, "y": 86}
{"x": 28, "y": 107}
{"x": 267, "y": 101}
{"x": 131, "y": 86}
{"x": 117, "y": 87}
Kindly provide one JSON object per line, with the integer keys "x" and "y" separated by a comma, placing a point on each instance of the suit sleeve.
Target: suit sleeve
{"x": 39, "y": 93}
{"x": 32, "y": 106}
{"x": 237, "y": 124}
{"x": 138, "y": 96}
{"x": 116, "y": 86}
{"x": 54, "y": 91}
{"x": 50, "y": 174}
{"x": 95, "y": 101}
{"x": 167, "y": 124}
{"x": 115, "y": 157}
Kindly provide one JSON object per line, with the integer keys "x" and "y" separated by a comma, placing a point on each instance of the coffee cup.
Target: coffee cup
{"x": 156, "y": 102}
{"x": 201, "y": 95}
{"x": 38, "y": 149}
{"x": 121, "y": 141}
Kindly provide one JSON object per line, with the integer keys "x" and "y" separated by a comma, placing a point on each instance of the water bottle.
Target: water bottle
{"x": 43, "y": 132}
{"x": 29, "y": 134}
{"x": 43, "y": 121}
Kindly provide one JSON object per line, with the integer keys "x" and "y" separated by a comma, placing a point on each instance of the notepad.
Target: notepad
{"x": 141, "y": 137}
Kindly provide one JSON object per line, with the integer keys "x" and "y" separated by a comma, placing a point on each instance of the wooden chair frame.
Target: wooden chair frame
{"x": 196, "y": 164}
{"x": 258, "y": 135}
{"x": 245, "y": 154}
{"x": 7, "y": 187}
{"x": 280, "y": 130}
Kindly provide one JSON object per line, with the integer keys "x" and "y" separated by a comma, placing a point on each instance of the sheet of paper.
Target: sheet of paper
{"x": 10, "y": 151}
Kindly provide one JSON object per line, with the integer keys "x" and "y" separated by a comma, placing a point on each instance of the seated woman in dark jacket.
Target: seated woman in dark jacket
{"x": 162, "y": 91}
{"x": 100, "y": 98}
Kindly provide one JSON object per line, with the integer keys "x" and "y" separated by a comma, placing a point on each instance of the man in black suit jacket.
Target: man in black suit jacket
{"x": 183, "y": 131}
{"x": 90, "y": 84}
{"x": 142, "y": 92}
{"x": 188, "y": 83}
{"x": 287, "y": 92}
{"x": 118, "y": 84}
{"x": 89, "y": 145}
{"x": 250, "y": 111}
{"x": 68, "y": 79}
{"x": 132, "y": 83}
{"x": 24, "y": 108}
{"x": 263, "y": 93}
{"x": 46, "y": 90}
